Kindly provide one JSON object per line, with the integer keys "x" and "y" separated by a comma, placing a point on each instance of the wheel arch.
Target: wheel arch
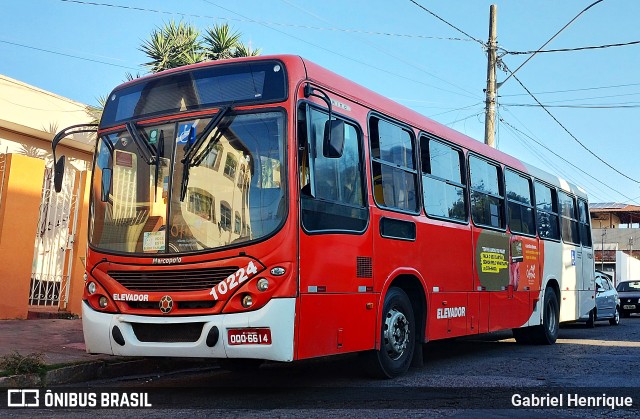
{"x": 412, "y": 283}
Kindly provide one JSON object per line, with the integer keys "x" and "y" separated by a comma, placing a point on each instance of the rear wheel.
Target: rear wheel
{"x": 591, "y": 323}
{"x": 616, "y": 318}
{"x": 547, "y": 332}
{"x": 397, "y": 337}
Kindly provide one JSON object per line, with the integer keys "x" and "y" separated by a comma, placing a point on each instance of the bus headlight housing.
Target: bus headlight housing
{"x": 262, "y": 284}
{"x": 247, "y": 300}
{"x": 103, "y": 302}
{"x": 91, "y": 287}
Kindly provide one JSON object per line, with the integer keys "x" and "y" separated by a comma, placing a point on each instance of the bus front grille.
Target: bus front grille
{"x": 167, "y": 333}
{"x": 172, "y": 280}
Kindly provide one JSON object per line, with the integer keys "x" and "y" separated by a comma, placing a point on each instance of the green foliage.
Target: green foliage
{"x": 177, "y": 44}
{"x": 173, "y": 45}
{"x": 17, "y": 364}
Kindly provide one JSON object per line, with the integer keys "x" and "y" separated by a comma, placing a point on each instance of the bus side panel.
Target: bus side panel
{"x": 448, "y": 315}
{"x": 336, "y": 323}
{"x": 570, "y": 282}
{"x": 508, "y": 310}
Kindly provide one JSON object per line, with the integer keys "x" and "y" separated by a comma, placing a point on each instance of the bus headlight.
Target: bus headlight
{"x": 102, "y": 302}
{"x": 262, "y": 284}
{"x": 91, "y": 287}
{"x": 247, "y": 301}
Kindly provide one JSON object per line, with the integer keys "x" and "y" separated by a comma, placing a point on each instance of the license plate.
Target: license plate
{"x": 629, "y": 307}
{"x": 255, "y": 336}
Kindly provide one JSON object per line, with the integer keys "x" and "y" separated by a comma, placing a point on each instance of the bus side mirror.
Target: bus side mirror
{"x": 333, "y": 144}
{"x": 58, "y": 173}
{"x": 105, "y": 189}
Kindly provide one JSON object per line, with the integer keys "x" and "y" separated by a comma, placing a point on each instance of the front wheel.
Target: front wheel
{"x": 397, "y": 337}
{"x": 616, "y": 318}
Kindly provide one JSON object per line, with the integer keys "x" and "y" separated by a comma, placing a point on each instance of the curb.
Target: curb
{"x": 96, "y": 370}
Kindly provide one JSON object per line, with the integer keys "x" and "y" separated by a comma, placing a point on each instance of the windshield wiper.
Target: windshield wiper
{"x": 191, "y": 149}
{"x": 147, "y": 151}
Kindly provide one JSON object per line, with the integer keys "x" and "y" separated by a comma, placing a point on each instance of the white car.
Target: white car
{"x": 607, "y": 301}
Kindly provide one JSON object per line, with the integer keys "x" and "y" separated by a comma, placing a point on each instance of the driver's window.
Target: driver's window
{"x": 332, "y": 188}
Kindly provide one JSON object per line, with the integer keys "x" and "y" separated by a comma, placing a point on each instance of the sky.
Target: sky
{"x": 435, "y": 65}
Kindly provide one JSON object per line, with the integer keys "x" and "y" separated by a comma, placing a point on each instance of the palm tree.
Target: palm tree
{"x": 173, "y": 45}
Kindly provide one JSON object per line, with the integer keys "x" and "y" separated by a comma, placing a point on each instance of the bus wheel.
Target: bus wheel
{"x": 397, "y": 336}
{"x": 547, "y": 332}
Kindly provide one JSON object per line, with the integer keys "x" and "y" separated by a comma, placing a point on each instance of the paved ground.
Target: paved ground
{"x": 60, "y": 341}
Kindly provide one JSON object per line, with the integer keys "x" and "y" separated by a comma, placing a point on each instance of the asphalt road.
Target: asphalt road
{"x": 479, "y": 376}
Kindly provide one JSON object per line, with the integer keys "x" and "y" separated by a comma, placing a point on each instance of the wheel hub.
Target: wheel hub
{"x": 396, "y": 333}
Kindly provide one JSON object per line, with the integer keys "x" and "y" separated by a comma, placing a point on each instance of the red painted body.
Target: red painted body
{"x": 338, "y": 310}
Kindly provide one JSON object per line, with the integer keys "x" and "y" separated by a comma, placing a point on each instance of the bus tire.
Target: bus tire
{"x": 547, "y": 332}
{"x": 397, "y": 337}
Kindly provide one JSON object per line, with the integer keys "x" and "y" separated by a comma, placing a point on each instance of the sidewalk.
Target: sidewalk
{"x": 61, "y": 344}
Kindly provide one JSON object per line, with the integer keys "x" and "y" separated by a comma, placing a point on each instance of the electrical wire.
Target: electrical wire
{"x": 622, "y": 44}
{"x": 615, "y": 86}
{"x": 502, "y": 120}
{"x": 550, "y": 39}
{"x": 448, "y": 23}
{"x": 290, "y": 25}
{"x": 567, "y": 130}
{"x": 66, "y": 55}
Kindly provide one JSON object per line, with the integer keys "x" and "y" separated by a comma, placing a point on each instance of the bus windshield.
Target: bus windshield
{"x": 234, "y": 192}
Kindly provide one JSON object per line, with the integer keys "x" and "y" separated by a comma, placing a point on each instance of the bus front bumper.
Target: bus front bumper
{"x": 115, "y": 333}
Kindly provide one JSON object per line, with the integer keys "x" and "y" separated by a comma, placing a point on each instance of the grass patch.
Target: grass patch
{"x": 17, "y": 364}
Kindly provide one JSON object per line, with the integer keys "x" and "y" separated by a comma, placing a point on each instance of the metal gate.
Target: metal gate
{"x": 53, "y": 252}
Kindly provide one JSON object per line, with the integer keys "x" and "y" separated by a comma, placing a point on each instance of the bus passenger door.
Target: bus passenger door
{"x": 337, "y": 305}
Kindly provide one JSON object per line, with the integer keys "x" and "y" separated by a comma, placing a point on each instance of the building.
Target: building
{"x": 616, "y": 231}
{"x": 42, "y": 234}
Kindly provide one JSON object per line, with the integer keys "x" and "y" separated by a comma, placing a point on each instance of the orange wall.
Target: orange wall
{"x": 19, "y": 213}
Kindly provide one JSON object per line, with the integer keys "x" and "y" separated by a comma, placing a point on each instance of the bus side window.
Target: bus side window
{"x": 547, "y": 212}
{"x": 443, "y": 180}
{"x": 395, "y": 177}
{"x": 487, "y": 199}
{"x": 585, "y": 227}
{"x": 519, "y": 203}
{"x": 568, "y": 218}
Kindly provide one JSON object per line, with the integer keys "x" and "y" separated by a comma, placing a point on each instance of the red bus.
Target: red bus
{"x": 266, "y": 208}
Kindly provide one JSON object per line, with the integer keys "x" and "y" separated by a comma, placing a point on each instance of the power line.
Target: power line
{"x": 291, "y": 25}
{"x": 448, "y": 23}
{"x": 584, "y": 106}
{"x": 65, "y": 55}
{"x": 569, "y": 132}
{"x": 550, "y": 39}
{"x": 562, "y": 158}
{"x": 334, "y": 52}
{"x": 401, "y": 59}
{"x": 623, "y": 44}
{"x": 575, "y": 90}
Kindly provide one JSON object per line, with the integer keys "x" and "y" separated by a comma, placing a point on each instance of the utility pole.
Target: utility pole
{"x": 491, "y": 92}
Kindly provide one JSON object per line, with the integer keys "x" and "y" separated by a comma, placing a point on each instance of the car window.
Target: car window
{"x": 629, "y": 286}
